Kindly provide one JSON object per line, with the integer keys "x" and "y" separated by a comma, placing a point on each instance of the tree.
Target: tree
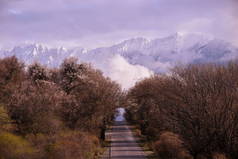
{"x": 37, "y": 72}
{"x": 11, "y": 75}
{"x": 71, "y": 73}
{"x": 197, "y": 102}
{"x": 93, "y": 97}
{"x": 33, "y": 107}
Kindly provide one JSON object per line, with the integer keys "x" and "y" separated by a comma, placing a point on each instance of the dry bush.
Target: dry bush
{"x": 218, "y": 156}
{"x": 6, "y": 124}
{"x": 170, "y": 146}
{"x": 66, "y": 145}
{"x": 14, "y": 147}
{"x": 212, "y": 156}
{"x": 75, "y": 145}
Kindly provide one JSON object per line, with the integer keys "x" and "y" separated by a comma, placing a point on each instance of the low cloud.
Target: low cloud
{"x": 124, "y": 73}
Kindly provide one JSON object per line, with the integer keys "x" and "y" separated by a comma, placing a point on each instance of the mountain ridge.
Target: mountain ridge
{"x": 156, "y": 55}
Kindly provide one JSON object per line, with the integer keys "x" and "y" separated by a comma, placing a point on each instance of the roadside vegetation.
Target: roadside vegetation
{"x": 59, "y": 113}
{"x": 191, "y": 113}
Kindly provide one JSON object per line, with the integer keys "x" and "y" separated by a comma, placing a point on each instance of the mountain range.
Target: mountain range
{"x": 136, "y": 58}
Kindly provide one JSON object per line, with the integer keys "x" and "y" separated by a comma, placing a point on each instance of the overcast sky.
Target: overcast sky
{"x": 94, "y": 23}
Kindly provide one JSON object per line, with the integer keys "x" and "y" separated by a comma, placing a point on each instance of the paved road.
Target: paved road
{"x": 123, "y": 144}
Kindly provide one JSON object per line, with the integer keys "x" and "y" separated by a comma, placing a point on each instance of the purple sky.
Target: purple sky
{"x": 93, "y": 23}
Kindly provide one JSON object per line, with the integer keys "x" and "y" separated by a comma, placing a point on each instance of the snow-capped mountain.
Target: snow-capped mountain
{"x": 136, "y": 56}
{"x": 160, "y": 54}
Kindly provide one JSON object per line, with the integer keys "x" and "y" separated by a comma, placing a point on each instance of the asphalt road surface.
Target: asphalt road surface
{"x": 123, "y": 144}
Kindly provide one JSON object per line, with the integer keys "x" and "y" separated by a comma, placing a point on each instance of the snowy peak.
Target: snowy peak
{"x": 30, "y": 49}
{"x": 181, "y": 41}
{"x": 30, "y": 53}
{"x": 133, "y": 44}
{"x": 175, "y": 43}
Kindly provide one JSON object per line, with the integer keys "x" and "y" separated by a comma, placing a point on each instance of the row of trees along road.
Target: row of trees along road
{"x": 191, "y": 113}
{"x": 56, "y": 113}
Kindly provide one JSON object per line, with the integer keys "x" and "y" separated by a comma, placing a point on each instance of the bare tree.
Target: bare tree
{"x": 197, "y": 102}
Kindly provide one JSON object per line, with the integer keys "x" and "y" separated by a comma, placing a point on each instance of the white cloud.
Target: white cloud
{"x": 124, "y": 73}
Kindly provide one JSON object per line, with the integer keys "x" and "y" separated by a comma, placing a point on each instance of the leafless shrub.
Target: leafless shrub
{"x": 15, "y": 147}
{"x": 66, "y": 145}
{"x": 219, "y": 156}
{"x": 170, "y": 145}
